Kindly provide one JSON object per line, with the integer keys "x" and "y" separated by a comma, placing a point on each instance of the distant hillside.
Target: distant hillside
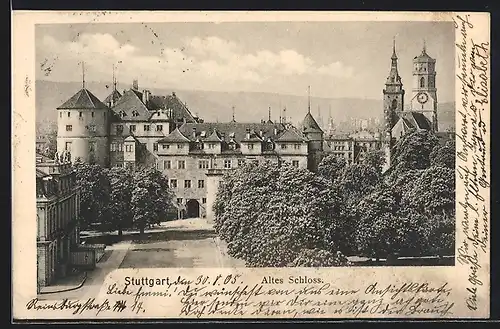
{"x": 217, "y": 106}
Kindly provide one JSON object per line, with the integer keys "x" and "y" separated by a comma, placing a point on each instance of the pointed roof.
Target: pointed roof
{"x": 309, "y": 124}
{"x": 82, "y": 100}
{"x": 416, "y": 120}
{"x": 115, "y": 95}
{"x": 132, "y": 106}
{"x": 291, "y": 135}
{"x": 180, "y": 112}
{"x": 423, "y": 57}
{"x": 214, "y": 137}
{"x": 175, "y": 137}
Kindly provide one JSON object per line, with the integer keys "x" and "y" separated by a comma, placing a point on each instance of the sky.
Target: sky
{"x": 336, "y": 59}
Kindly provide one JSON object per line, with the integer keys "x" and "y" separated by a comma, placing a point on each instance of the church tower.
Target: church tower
{"x": 393, "y": 96}
{"x": 424, "y": 92}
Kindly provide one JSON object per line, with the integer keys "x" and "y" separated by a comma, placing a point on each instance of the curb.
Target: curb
{"x": 67, "y": 289}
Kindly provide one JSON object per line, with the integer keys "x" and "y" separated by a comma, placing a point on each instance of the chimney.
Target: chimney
{"x": 223, "y": 135}
{"x": 173, "y": 93}
{"x": 145, "y": 96}
{"x": 135, "y": 84}
{"x": 194, "y": 132}
{"x": 261, "y": 133}
{"x": 275, "y": 131}
{"x": 248, "y": 133}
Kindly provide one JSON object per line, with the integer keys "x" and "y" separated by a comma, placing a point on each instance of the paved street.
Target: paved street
{"x": 183, "y": 243}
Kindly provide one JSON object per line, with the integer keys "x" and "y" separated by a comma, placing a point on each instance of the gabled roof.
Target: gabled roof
{"x": 174, "y": 137}
{"x": 238, "y": 129}
{"x": 180, "y": 110}
{"x": 214, "y": 137}
{"x": 291, "y": 135}
{"x": 309, "y": 124}
{"x": 131, "y": 103}
{"x": 115, "y": 95}
{"x": 416, "y": 120}
{"x": 40, "y": 174}
{"x": 82, "y": 100}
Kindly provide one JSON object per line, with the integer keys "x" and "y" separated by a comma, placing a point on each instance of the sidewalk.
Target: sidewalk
{"x": 68, "y": 283}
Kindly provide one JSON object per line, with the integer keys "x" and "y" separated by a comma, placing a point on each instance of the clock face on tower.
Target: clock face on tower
{"x": 422, "y": 98}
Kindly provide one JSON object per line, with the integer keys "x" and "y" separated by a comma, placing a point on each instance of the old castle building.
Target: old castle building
{"x": 136, "y": 128}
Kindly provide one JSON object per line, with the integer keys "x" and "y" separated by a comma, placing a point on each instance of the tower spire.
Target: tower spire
{"x": 114, "y": 78}
{"x": 308, "y": 99}
{"x": 394, "y": 48}
{"x": 83, "y": 74}
{"x": 269, "y": 114}
{"x": 424, "y": 49}
{"x": 233, "y": 115}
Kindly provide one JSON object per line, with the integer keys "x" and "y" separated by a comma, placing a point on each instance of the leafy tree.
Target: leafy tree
{"x": 95, "y": 192}
{"x": 268, "y": 214}
{"x": 331, "y": 167}
{"x": 443, "y": 156}
{"x": 122, "y": 184}
{"x": 375, "y": 159}
{"x": 152, "y": 198}
{"x": 319, "y": 258}
{"x": 413, "y": 150}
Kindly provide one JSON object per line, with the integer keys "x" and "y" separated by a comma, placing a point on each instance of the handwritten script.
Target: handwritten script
{"x": 228, "y": 295}
{"x": 472, "y": 148}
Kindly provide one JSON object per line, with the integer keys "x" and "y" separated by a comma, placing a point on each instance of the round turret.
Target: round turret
{"x": 83, "y": 129}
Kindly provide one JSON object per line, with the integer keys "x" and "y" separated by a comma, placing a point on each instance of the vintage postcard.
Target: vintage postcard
{"x": 232, "y": 165}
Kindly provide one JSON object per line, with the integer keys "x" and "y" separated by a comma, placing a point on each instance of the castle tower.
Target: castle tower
{"x": 83, "y": 127}
{"x": 424, "y": 92}
{"x": 393, "y": 96}
{"x": 314, "y": 134}
{"x": 112, "y": 98}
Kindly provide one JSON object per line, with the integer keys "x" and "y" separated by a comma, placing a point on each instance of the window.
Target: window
{"x": 60, "y": 114}
{"x": 180, "y": 146}
{"x": 179, "y": 200}
{"x": 203, "y": 200}
{"x": 91, "y": 146}
{"x": 120, "y": 147}
{"x": 69, "y": 127}
{"x": 422, "y": 82}
{"x": 104, "y": 114}
{"x": 69, "y": 114}
{"x": 113, "y": 147}
{"x": 80, "y": 114}
{"x": 119, "y": 165}
{"x": 92, "y": 128}
{"x": 166, "y": 146}
{"x": 203, "y": 164}
{"x": 201, "y": 183}
{"x": 67, "y": 147}
{"x": 119, "y": 129}
{"x": 227, "y": 164}
{"x": 92, "y": 114}
{"x": 132, "y": 128}
{"x": 173, "y": 183}
{"x": 135, "y": 113}
{"x": 159, "y": 127}
{"x": 181, "y": 164}
{"x": 155, "y": 147}
{"x": 283, "y": 146}
{"x": 296, "y": 146}
{"x": 167, "y": 164}
{"x": 241, "y": 162}
{"x": 211, "y": 146}
{"x": 295, "y": 163}
{"x": 129, "y": 148}
{"x": 255, "y": 162}
{"x": 146, "y": 127}
{"x": 187, "y": 183}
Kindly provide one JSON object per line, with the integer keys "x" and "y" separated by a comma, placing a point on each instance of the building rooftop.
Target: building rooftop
{"x": 415, "y": 120}
{"x": 309, "y": 124}
{"x": 83, "y": 100}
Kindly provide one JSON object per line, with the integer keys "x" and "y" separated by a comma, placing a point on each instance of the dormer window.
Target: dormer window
{"x": 203, "y": 133}
{"x": 123, "y": 114}
{"x": 231, "y": 135}
{"x": 134, "y": 113}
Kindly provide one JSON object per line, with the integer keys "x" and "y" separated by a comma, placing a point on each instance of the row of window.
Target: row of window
{"x": 119, "y": 147}
{"x": 187, "y": 183}
{"x": 295, "y": 146}
{"x": 80, "y": 114}
{"x": 133, "y": 128}
{"x": 205, "y": 164}
{"x": 89, "y": 127}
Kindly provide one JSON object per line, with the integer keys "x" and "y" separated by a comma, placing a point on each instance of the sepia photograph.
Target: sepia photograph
{"x": 300, "y": 147}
